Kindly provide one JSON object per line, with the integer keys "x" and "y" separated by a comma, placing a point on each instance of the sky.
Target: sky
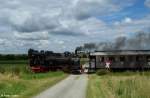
{"x": 62, "y": 25}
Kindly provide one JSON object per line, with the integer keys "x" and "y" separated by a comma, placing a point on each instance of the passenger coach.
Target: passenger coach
{"x": 125, "y": 59}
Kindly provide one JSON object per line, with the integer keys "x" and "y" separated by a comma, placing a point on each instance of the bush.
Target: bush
{"x": 102, "y": 72}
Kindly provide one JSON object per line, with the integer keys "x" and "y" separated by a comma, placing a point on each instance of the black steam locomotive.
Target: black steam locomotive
{"x": 43, "y": 61}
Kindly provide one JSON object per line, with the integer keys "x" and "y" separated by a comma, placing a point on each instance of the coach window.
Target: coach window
{"x": 117, "y": 59}
{"x": 148, "y": 58}
{"x": 122, "y": 59}
{"x": 112, "y": 59}
{"x": 101, "y": 59}
{"x": 138, "y": 58}
{"x": 131, "y": 58}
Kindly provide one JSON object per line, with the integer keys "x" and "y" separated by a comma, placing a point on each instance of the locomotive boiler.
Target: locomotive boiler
{"x": 44, "y": 61}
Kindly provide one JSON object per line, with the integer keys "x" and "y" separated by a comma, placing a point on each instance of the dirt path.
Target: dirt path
{"x": 72, "y": 87}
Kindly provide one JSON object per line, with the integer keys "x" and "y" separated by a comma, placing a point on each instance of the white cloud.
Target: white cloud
{"x": 43, "y": 44}
{"x": 61, "y": 42}
{"x": 71, "y": 22}
{"x": 128, "y": 25}
{"x": 127, "y": 20}
{"x": 37, "y": 15}
{"x": 2, "y": 41}
{"x": 147, "y": 3}
{"x": 32, "y": 36}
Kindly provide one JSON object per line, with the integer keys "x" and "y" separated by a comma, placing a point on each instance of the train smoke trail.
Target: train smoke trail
{"x": 140, "y": 41}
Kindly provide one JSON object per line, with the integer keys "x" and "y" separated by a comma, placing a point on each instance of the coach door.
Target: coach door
{"x": 92, "y": 62}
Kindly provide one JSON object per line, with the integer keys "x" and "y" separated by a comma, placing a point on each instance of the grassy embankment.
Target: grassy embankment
{"x": 16, "y": 81}
{"x": 119, "y": 85}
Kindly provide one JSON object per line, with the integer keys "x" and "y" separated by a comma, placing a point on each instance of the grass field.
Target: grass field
{"x": 119, "y": 85}
{"x": 16, "y": 81}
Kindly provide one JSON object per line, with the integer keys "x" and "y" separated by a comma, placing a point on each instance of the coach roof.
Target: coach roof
{"x": 121, "y": 52}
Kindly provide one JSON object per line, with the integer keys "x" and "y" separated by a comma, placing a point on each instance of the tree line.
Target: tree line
{"x": 13, "y": 56}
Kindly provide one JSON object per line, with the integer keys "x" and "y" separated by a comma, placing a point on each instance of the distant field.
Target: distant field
{"x": 16, "y": 81}
{"x": 119, "y": 85}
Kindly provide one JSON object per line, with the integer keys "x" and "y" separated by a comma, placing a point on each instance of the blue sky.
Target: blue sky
{"x": 65, "y": 24}
{"x": 137, "y": 11}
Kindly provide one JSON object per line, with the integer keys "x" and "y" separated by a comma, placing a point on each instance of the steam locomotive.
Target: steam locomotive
{"x": 44, "y": 61}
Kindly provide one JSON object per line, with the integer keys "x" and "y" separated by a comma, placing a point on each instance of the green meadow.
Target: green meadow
{"x": 17, "y": 81}
{"x": 119, "y": 85}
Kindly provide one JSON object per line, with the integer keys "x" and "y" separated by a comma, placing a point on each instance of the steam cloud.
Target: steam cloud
{"x": 140, "y": 41}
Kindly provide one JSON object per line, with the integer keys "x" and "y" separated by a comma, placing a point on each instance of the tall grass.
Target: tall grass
{"x": 123, "y": 85}
{"x": 14, "y": 69}
{"x": 16, "y": 80}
